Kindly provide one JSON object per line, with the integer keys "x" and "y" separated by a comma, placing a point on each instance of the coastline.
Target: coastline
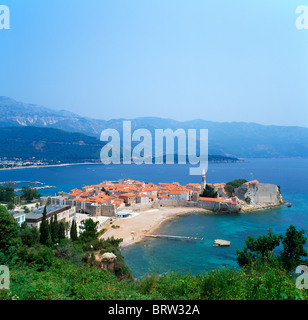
{"x": 144, "y": 223}
{"x": 52, "y": 165}
{"x": 87, "y": 163}
{"x": 257, "y": 207}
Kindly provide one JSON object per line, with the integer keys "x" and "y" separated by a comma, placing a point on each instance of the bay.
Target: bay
{"x": 161, "y": 256}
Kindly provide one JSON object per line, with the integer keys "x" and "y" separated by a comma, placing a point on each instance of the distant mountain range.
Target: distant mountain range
{"x": 48, "y": 144}
{"x": 57, "y": 145}
{"x": 231, "y": 139}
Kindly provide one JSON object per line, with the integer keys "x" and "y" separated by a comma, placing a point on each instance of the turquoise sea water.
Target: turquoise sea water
{"x": 160, "y": 256}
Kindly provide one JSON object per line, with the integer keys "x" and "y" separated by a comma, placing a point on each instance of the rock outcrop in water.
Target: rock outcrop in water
{"x": 249, "y": 196}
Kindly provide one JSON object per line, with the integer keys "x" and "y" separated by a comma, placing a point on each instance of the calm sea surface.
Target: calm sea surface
{"x": 160, "y": 256}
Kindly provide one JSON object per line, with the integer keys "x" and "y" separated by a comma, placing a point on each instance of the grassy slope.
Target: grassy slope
{"x": 65, "y": 280}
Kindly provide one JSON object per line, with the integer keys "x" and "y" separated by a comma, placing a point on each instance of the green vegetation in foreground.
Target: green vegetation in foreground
{"x": 69, "y": 270}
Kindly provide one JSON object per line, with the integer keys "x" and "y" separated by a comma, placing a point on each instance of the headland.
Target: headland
{"x": 134, "y": 209}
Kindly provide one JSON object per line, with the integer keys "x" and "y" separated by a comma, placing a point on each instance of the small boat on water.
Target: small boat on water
{"x": 221, "y": 243}
{"x": 289, "y": 205}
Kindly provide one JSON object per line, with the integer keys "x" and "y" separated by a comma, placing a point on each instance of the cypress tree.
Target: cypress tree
{"x": 61, "y": 232}
{"x": 54, "y": 229}
{"x": 45, "y": 237}
{"x": 73, "y": 231}
{"x": 51, "y": 228}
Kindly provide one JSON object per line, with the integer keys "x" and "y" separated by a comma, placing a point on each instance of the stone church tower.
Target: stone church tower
{"x": 203, "y": 181}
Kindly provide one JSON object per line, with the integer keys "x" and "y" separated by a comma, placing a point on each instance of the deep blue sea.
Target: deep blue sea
{"x": 161, "y": 256}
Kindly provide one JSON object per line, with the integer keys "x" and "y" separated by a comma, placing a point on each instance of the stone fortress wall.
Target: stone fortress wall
{"x": 253, "y": 195}
{"x": 260, "y": 193}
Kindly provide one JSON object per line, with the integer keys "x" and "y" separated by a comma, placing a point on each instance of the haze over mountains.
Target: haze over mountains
{"x": 53, "y": 145}
{"x": 237, "y": 139}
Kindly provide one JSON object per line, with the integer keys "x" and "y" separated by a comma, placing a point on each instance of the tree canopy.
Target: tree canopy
{"x": 7, "y": 194}
{"x": 89, "y": 231}
{"x": 293, "y": 248}
{"x": 209, "y": 192}
{"x": 9, "y": 232}
{"x": 262, "y": 248}
{"x": 29, "y": 194}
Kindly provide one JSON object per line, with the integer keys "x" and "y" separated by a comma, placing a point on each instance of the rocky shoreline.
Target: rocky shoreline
{"x": 259, "y": 206}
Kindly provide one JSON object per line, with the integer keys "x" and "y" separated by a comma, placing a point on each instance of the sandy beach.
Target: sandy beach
{"x": 143, "y": 223}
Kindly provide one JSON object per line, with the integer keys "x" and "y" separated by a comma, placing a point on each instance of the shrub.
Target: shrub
{"x": 209, "y": 192}
{"x": 230, "y": 186}
{"x": 221, "y": 284}
{"x": 67, "y": 251}
{"x": 29, "y": 235}
{"x": 39, "y": 258}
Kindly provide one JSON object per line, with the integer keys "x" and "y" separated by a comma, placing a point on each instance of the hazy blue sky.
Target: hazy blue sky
{"x": 215, "y": 60}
